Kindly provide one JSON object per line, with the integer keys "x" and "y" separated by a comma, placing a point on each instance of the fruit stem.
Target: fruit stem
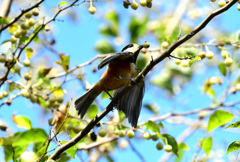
{"x": 91, "y": 3}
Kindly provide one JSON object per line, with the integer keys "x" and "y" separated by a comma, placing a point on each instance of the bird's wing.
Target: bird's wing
{"x": 131, "y": 102}
{"x": 114, "y": 57}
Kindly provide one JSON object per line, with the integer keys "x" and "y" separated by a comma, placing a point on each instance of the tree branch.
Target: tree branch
{"x": 140, "y": 76}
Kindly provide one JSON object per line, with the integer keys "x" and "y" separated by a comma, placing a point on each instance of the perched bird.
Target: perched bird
{"x": 121, "y": 69}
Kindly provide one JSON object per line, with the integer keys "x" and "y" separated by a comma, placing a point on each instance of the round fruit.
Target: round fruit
{"x": 24, "y": 26}
{"x": 159, "y": 146}
{"x": 102, "y": 132}
{"x": 13, "y": 39}
{"x": 26, "y": 63}
{"x": 59, "y": 99}
{"x": 52, "y": 99}
{"x": 168, "y": 148}
{"x": 202, "y": 114}
{"x": 116, "y": 132}
{"x": 134, "y": 5}
{"x": 23, "y": 92}
{"x": 5, "y": 93}
{"x": 92, "y": 10}
{"x": 238, "y": 86}
{"x": 31, "y": 22}
{"x": 10, "y": 59}
{"x": 2, "y": 58}
{"x": 33, "y": 98}
{"x": 202, "y": 54}
{"x": 147, "y": 135}
{"x": 35, "y": 12}
{"x": 1, "y": 96}
{"x": 154, "y": 137}
{"x": 47, "y": 28}
{"x": 27, "y": 76}
{"x": 228, "y": 61}
{"x": 165, "y": 44}
{"x": 149, "y": 0}
{"x": 221, "y": 3}
{"x": 28, "y": 15}
{"x": 17, "y": 69}
{"x": 130, "y": 134}
{"x": 177, "y": 61}
{"x": 225, "y": 54}
{"x": 185, "y": 63}
{"x": 228, "y": 42}
{"x": 17, "y": 34}
{"x": 55, "y": 105}
{"x": 146, "y": 44}
{"x": 143, "y": 3}
{"x": 213, "y": 0}
{"x": 149, "y": 4}
{"x": 23, "y": 32}
{"x": 238, "y": 7}
{"x": 209, "y": 54}
{"x": 121, "y": 133}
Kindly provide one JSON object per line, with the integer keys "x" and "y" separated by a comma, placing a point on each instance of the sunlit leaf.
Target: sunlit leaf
{"x": 29, "y": 52}
{"x": 206, "y": 145}
{"x": 219, "y": 118}
{"x": 183, "y": 146}
{"x": 62, "y": 3}
{"x": 71, "y": 151}
{"x": 104, "y": 47}
{"x": 234, "y": 125}
{"x": 113, "y": 17}
{"x": 105, "y": 95}
{"x": 152, "y": 107}
{"x": 152, "y": 126}
{"x": 222, "y": 68}
{"x": 92, "y": 111}
{"x": 24, "y": 39}
{"x": 109, "y": 30}
{"x": 171, "y": 141}
{"x": 211, "y": 92}
{"x": 42, "y": 102}
{"x": 12, "y": 28}
{"x": 22, "y": 122}
{"x": 234, "y": 146}
{"x": 58, "y": 92}
{"x": 197, "y": 58}
{"x": 64, "y": 61}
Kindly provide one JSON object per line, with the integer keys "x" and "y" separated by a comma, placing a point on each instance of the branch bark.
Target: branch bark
{"x": 141, "y": 75}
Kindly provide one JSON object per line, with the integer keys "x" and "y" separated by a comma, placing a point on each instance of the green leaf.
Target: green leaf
{"x": 206, "y": 145}
{"x": 64, "y": 61}
{"x": 113, "y": 17}
{"x": 211, "y": 92}
{"x": 152, "y": 126}
{"x": 71, "y": 151}
{"x": 5, "y": 20}
{"x": 219, "y": 118}
{"x": 22, "y": 122}
{"x": 104, "y": 47}
{"x": 137, "y": 27}
{"x": 109, "y": 30}
{"x": 29, "y": 52}
{"x": 196, "y": 58}
{"x": 152, "y": 107}
{"x": 234, "y": 125}
{"x": 234, "y": 146}
{"x": 182, "y": 146}
{"x": 105, "y": 95}
{"x": 24, "y": 39}
{"x": 42, "y": 102}
{"x": 222, "y": 68}
{"x": 62, "y": 3}
{"x": 92, "y": 111}
{"x": 171, "y": 141}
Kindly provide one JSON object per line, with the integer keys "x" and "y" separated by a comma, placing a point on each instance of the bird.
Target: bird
{"x": 120, "y": 71}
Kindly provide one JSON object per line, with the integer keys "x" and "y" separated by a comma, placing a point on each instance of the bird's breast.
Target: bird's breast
{"x": 123, "y": 68}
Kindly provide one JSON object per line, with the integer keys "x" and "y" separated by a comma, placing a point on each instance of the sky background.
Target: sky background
{"x": 78, "y": 38}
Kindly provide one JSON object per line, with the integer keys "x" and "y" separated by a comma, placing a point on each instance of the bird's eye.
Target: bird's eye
{"x": 127, "y": 46}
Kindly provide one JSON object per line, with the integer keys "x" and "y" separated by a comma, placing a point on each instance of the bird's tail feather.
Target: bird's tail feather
{"x": 84, "y": 102}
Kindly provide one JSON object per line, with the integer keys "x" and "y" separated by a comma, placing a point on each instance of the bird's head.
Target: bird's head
{"x": 134, "y": 48}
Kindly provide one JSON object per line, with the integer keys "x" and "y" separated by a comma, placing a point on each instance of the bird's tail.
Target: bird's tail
{"x": 131, "y": 102}
{"x": 84, "y": 102}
